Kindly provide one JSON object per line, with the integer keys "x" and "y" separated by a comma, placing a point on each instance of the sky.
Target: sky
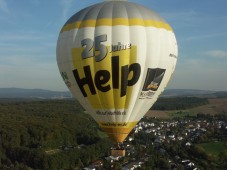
{"x": 29, "y": 31}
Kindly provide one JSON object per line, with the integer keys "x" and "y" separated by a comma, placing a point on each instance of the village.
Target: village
{"x": 169, "y": 143}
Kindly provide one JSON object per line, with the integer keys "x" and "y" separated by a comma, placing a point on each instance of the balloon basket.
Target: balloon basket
{"x": 118, "y": 150}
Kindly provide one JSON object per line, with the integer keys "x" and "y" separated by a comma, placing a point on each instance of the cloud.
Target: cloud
{"x": 4, "y": 7}
{"x": 66, "y": 5}
{"x": 217, "y": 53}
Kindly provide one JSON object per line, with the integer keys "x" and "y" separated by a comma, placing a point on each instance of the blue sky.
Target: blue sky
{"x": 29, "y": 30}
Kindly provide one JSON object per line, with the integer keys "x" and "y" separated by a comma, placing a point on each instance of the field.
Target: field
{"x": 214, "y": 148}
{"x": 215, "y": 106}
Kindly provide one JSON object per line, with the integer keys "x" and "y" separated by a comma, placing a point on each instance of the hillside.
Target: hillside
{"x": 48, "y": 94}
{"x": 193, "y": 93}
{"x": 186, "y": 92}
{"x": 214, "y": 106}
{"x": 50, "y": 134}
{"x": 32, "y": 93}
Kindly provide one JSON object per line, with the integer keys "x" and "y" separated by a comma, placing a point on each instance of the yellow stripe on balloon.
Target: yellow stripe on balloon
{"x": 116, "y": 22}
{"x": 117, "y": 131}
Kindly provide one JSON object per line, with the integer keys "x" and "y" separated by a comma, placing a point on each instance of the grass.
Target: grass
{"x": 102, "y": 134}
{"x": 214, "y": 148}
{"x": 181, "y": 114}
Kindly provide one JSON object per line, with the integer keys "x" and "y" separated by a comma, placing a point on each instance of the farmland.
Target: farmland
{"x": 215, "y": 106}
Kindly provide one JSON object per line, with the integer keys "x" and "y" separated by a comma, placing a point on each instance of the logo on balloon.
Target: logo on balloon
{"x": 152, "y": 82}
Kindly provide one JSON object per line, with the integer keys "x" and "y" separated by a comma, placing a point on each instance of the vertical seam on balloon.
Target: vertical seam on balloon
{"x": 144, "y": 75}
{"x": 123, "y": 117}
{"x": 100, "y": 101}
{"x": 158, "y": 63}
{"x": 112, "y": 56}
{"x": 93, "y": 61}
{"x": 129, "y": 112}
{"x": 76, "y": 84}
{"x": 160, "y": 52}
{"x": 171, "y": 64}
{"x": 132, "y": 117}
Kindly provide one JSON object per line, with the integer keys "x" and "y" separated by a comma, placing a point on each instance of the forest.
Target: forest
{"x": 56, "y": 134}
{"x": 179, "y": 103}
{"x": 48, "y": 135}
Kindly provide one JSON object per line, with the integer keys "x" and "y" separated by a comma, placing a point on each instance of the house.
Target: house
{"x": 130, "y": 139}
{"x": 188, "y": 144}
{"x": 203, "y": 129}
{"x": 133, "y": 165}
{"x": 162, "y": 137}
{"x": 148, "y": 131}
{"x": 172, "y": 137}
{"x": 113, "y": 158}
{"x": 97, "y": 163}
{"x": 185, "y": 162}
{"x": 128, "y": 167}
{"x": 157, "y": 141}
{"x": 118, "y": 152}
{"x": 180, "y": 138}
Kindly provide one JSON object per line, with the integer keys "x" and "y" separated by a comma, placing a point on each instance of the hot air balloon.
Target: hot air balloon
{"x": 116, "y": 58}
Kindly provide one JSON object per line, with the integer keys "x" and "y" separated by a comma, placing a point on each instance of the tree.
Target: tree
{"x": 199, "y": 152}
{"x": 117, "y": 166}
{"x": 163, "y": 164}
{"x": 150, "y": 163}
{"x": 223, "y": 160}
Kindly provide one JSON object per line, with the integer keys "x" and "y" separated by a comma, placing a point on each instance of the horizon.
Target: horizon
{"x": 29, "y": 32}
{"x": 67, "y": 90}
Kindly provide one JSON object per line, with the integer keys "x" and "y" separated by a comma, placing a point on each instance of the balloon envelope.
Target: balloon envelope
{"x": 116, "y": 58}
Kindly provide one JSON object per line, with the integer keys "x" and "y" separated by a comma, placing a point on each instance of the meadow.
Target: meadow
{"x": 214, "y": 148}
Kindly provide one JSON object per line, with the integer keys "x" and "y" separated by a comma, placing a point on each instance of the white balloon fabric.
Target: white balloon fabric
{"x": 116, "y": 58}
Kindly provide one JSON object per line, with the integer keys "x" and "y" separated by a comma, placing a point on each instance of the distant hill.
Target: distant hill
{"x": 188, "y": 92}
{"x": 48, "y": 94}
{"x": 194, "y": 93}
{"x": 32, "y": 93}
{"x": 221, "y": 94}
